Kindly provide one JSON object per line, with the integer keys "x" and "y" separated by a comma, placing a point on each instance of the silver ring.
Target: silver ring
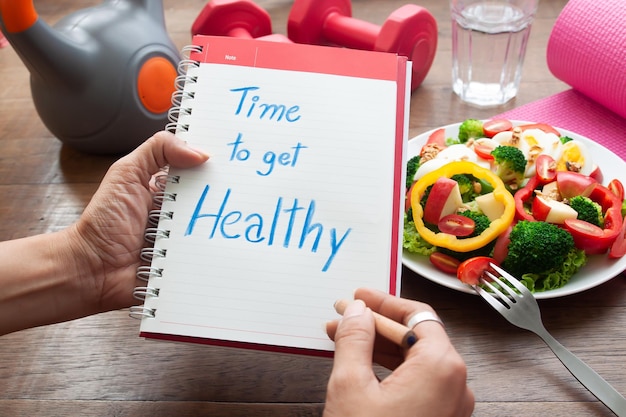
{"x": 417, "y": 318}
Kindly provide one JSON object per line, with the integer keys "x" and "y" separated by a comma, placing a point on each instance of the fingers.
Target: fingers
{"x": 401, "y": 310}
{"x": 430, "y": 376}
{"x": 354, "y": 340}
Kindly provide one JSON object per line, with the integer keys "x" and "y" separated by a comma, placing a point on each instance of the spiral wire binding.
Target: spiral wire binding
{"x": 141, "y": 312}
{"x": 156, "y": 215}
{"x": 180, "y": 94}
{"x": 160, "y": 181}
{"x": 140, "y": 293}
{"x": 148, "y": 254}
{"x": 145, "y": 272}
{"x": 162, "y": 196}
{"x": 154, "y": 233}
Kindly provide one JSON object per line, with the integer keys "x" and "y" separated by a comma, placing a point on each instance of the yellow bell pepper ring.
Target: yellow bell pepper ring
{"x": 445, "y": 240}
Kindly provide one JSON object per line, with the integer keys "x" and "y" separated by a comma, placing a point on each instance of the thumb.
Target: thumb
{"x": 354, "y": 340}
{"x": 165, "y": 149}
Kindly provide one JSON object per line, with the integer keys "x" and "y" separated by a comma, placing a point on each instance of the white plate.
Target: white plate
{"x": 599, "y": 268}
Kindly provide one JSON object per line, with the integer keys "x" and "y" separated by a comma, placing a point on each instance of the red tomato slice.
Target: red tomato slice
{"x": 470, "y": 271}
{"x": 457, "y": 225}
{"x": 545, "y": 167}
{"x": 618, "y": 248}
{"x": 445, "y": 263}
{"x": 495, "y": 126}
{"x": 483, "y": 148}
{"x": 543, "y": 126}
{"x": 588, "y": 237}
{"x": 616, "y": 188}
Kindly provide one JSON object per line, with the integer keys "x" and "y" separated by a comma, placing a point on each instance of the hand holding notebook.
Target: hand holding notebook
{"x": 300, "y": 204}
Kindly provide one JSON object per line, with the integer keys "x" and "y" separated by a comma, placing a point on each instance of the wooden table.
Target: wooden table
{"x": 98, "y": 366}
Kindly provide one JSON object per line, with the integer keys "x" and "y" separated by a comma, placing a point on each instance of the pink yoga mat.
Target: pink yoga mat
{"x": 3, "y": 41}
{"x": 587, "y": 51}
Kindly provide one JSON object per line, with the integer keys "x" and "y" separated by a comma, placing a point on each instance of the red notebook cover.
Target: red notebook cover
{"x": 300, "y": 203}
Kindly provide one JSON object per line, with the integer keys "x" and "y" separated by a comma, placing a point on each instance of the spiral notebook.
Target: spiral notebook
{"x": 299, "y": 204}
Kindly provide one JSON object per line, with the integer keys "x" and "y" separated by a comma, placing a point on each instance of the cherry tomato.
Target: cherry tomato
{"x": 545, "y": 167}
{"x": 483, "y": 148}
{"x": 457, "y": 225}
{"x": 616, "y": 188}
{"x": 588, "y": 237}
{"x": 543, "y": 126}
{"x": 445, "y": 263}
{"x": 470, "y": 271}
{"x": 495, "y": 126}
{"x": 618, "y": 248}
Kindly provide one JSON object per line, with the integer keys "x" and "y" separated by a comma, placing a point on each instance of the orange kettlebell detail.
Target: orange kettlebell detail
{"x": 18, "y": 15}
{"x": 155, "y": 84}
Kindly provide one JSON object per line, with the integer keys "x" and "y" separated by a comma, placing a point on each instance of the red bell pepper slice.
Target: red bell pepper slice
{"x": 618, "y": 248}
{"x": 588, "y": 238}
{"x": 523, "y": 196}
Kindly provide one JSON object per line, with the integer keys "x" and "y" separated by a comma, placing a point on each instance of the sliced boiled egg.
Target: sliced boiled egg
{"x": 456, "y": 152}
{"x": 507, "y": 139}
{"x": 575, "y": 157}
{"x": 538, "y": 142}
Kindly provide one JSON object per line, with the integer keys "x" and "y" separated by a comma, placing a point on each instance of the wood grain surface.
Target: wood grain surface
{"x": 98, "y": 366}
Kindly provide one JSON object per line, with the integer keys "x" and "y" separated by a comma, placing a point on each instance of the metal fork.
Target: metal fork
{"x": 519, "y": 307}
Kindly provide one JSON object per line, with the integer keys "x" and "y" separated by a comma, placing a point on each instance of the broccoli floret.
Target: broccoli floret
{"x": 537, "y": 248}
{"x": 588, "y": 210}
{"x": 510, "y": 165}
{"x": 412, "y": 241}
{"x": 452, "y": 141}
{"x": 470, "y": 128}
{"x": 565, "y": 139}
{"x": 411, "y": 168}
{"x": 481, "y": 221}
{"x": 466, "y": 186}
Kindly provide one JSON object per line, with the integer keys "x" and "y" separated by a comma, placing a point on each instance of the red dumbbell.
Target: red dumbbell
{"x": 236, "y": 18}
{"x": 409, "y": 31}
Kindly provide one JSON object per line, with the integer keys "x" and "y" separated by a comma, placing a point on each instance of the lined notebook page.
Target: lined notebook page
{"x": 294, "y": 209}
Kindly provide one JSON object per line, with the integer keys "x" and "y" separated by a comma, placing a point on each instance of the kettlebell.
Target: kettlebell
{"x": 101, "y": 78}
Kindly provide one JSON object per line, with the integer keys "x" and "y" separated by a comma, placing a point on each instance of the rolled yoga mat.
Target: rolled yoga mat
{"x": 587, "y": 51}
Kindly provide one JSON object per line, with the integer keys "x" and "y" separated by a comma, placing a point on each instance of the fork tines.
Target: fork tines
{"x": 503, "y": 288}
{"x": 505, "y": 276}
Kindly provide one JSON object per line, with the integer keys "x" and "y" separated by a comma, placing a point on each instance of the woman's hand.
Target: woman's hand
{"x": 428, "y": 379}
{"x": 89, "y": 267}
{"x": 109, "y": 236}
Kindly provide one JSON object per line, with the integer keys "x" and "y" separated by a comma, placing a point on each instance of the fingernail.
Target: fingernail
{"x": 200, "y": 152}
{"x": 355, "y": 308}
{"x": 203, "y": 154}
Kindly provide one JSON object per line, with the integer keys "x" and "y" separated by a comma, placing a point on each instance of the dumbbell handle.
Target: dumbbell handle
{"x": 240, "y": 33}
{"x": 350, "y": 32}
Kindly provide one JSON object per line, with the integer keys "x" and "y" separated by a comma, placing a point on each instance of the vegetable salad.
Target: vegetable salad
{"x": 525, "y": 197}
